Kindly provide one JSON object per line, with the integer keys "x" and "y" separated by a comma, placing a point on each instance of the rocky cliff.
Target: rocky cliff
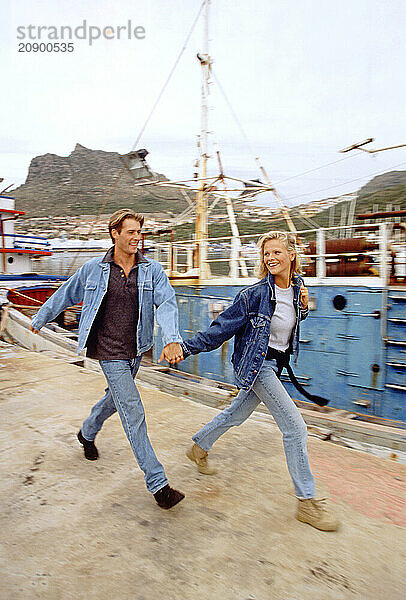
{"x": 81, "y": 182}
{"x": 87, "y": 180}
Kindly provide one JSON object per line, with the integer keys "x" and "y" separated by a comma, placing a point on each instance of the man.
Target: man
{"x": 119, "y": 293}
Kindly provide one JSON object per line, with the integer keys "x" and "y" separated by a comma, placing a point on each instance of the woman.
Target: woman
{"x": 265, "y": 318}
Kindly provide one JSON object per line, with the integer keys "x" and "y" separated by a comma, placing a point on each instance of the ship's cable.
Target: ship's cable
{"x": 252, "y": 149}
{"x": 350, "y": 181}
{"x": 118, "y": 177}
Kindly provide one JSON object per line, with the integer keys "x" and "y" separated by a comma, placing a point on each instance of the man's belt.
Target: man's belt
{"x": 282, "y": 360}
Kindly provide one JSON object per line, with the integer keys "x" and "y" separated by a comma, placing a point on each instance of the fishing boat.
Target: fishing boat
{"x": 17, "y": 251}
{"x": 21, "y": 287}
{"x": 353, "y": 344}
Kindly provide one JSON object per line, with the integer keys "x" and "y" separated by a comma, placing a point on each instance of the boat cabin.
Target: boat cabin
{"x": 16, "y": 250}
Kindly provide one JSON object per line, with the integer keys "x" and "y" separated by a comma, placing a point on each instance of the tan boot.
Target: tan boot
{"x": 317, "y": 514}
{"x": 199, "y": 456}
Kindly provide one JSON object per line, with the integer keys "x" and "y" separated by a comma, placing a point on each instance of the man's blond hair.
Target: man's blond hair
{"x": 117, "y": 218}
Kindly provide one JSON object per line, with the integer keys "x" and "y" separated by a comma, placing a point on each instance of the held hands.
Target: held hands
{"x": 34, "y": 330}
{"x": 172, "y": 353}
{"x": 304, "y": 296}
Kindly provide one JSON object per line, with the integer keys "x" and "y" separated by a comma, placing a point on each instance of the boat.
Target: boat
{"x": 20, "y": 286}
{"x": 353, "y": 344}
{"x": 17, "y": 250}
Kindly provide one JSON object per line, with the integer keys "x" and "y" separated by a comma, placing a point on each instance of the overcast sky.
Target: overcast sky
{"x": 305, "y": 78}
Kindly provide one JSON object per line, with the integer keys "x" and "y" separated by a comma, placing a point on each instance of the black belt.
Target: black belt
{"x": 282, "y": 361}
{"x": 282, "y": 358}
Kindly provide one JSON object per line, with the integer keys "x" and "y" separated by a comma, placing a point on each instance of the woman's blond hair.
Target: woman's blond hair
{"x": 289, "y": 241}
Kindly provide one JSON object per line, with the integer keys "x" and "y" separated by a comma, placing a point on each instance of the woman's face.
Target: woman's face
{"x": 277, "y": 258}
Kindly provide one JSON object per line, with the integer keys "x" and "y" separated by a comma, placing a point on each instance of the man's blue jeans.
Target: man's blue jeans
{"x": 122, "y": 396}
{"x": 268, "y": 389}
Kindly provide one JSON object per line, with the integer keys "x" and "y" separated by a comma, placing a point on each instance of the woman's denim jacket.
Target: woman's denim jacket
{"x": 89, "y": 284}
{"x": 249, "y": 319}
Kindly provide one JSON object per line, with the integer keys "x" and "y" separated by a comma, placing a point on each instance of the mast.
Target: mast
{"x": 284, "y": 209}
{"x": 201, "y": 197}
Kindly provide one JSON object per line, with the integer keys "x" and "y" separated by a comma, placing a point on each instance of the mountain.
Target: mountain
{"x": 383, "y": 182}
{"x": 89, "y": 181}
{"x": 86, "y": 179}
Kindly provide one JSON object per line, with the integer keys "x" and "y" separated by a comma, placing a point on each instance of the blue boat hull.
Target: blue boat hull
{"x": 352, "y": 348}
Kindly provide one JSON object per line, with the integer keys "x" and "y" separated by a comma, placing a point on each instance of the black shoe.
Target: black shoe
{"x": 89, "y": 448}
{"x": 168, "y": 497}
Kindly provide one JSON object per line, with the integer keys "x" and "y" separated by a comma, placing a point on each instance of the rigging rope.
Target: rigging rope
{"x": 234, "y": 114}
{"x": 346, "y": 182}
{"x": 334, "y": 162}
{"x": 252, "y": 150}
{"x": 169, "y": 76}
{"x": 115, "y": 183}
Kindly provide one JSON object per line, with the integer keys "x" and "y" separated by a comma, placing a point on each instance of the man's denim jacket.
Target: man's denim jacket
{"x": 89, "y": 284}
{"x": 249, "y": 319}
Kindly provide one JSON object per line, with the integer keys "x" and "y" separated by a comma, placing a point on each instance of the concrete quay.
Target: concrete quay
{"x": 73, "y": 529}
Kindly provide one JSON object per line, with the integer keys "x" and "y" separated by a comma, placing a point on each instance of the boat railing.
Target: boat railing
{"x": 375, "y": 253}
{"x": 18, "y": 241}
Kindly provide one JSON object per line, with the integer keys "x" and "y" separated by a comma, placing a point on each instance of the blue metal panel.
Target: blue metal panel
{"x": 365, "y": 357}
{"x": 396, "y": 303}
{"x": 198, "y": 307}
{"x": 394, "y": 405}
{"x": 324, "y": 333}
{"x": 396, "y": 371}
{"x": 366, "y": 401}
{"x": 339, "y": 346}
{"x": 321, "y": 374}
{"x": 395, "y": 381}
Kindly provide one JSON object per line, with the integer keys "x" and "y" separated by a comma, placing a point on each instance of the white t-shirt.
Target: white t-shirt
{"x": 283, "y": 319}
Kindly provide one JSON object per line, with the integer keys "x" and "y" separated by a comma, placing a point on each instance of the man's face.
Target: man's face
{"x": 128, "y": 239}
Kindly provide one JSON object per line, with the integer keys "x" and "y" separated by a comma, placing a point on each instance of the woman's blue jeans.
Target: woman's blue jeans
{"x": 122, "y": 396}
{"x": 268, "y": 389}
